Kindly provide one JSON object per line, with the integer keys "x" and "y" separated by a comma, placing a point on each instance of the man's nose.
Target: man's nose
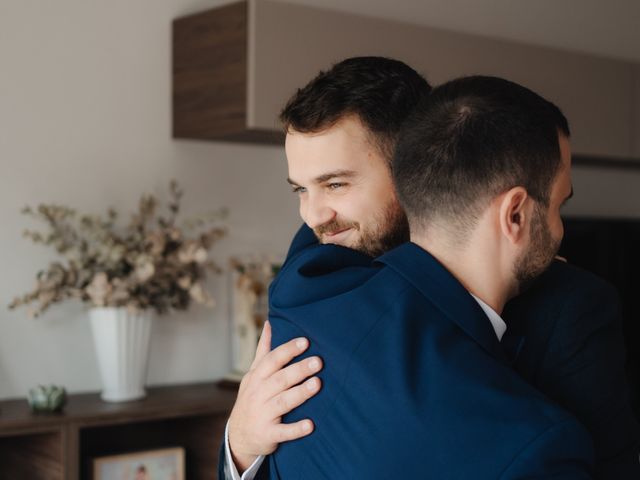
{"x": 316, "y": 213}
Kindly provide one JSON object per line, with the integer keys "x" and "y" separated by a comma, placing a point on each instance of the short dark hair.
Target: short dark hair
{"x": 382, "y": 92}
{"x": 470, "y": 140}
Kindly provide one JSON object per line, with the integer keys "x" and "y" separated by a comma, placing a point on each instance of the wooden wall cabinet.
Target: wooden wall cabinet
{"x": 62, "y": 446}
{"x": 211, "y": 74}
{"x": 235, "y": 66}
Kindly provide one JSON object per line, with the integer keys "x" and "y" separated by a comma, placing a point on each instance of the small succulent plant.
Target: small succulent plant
{"x": 49, "y": 398}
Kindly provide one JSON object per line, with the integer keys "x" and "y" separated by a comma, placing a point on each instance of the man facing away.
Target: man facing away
{"x": 335, "y": 151}
{"x": 411, "y": 341}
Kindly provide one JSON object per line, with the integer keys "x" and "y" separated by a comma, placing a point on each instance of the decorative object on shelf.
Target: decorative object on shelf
{"x": 51, "y": 398}
{"x": 124, "y": 274}
{"x": 250, "y": 279}
{"x": 121, "y": 337}
{"x": 164, "y": 464}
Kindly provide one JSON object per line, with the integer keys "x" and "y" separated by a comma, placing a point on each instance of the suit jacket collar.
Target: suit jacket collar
{"x": 437, "y": 284}
{"x": 303, "y": 239}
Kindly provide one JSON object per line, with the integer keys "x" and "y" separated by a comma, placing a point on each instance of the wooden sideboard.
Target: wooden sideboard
{"x": 62, "y": 446}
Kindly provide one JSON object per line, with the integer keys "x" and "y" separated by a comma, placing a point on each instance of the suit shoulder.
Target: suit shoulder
{"x": 303, "y": 239}
{"x": 320, "y": 272}
{"x": 567, "y": 277}
{"x": 568, "y": 293}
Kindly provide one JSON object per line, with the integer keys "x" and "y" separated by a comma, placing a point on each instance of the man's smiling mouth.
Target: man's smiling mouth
{"x": 336, "y": 232}
{"x": 337, "y": 237}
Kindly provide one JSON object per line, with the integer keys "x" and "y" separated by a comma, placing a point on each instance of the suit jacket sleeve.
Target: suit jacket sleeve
{"x": 559, "y": 454}
{"x": 583, "y": 370}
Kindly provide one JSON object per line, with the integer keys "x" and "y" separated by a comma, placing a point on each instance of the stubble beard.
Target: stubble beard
{"x": 541, "y": 253}
{"x": 389, "y": 230}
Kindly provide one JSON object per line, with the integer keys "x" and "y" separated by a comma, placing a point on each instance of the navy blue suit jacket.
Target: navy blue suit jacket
{"x": 567, "y": 330}
{"x": 415, "y": 381}
{"x": 572, "y": 352}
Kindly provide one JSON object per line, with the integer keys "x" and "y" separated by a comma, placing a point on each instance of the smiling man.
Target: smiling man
{"x": 344, "y": 200}
{"x": 341, "y": 130}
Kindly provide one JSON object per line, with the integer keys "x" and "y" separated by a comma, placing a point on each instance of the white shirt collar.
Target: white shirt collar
{"x": 496, "y": 321}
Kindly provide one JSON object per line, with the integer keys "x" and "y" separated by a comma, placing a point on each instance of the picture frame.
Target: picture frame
{"x": 160, "y": 464}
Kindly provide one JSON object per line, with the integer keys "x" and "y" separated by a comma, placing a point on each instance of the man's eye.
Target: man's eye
{"x": 335, "y": 185}
{"x": 299, "y": 189}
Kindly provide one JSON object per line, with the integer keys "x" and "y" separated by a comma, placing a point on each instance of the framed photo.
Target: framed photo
{"x": 164, "y": 464}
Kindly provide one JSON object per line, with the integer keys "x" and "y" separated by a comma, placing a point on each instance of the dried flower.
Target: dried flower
{"x": 99, "y": 289}
{"x": 200, "y": 295}
{"x": 151, "y": 263}
{"x": 184, "y": 283}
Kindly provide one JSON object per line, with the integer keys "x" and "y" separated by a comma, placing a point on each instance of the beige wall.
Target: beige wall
{"x": 289, "y": 41}
{"x": 635, "y": 119}
{"x": 85, "y": 121}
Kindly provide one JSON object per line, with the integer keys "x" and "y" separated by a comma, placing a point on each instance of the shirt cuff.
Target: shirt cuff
{"x": 230, "y": 470}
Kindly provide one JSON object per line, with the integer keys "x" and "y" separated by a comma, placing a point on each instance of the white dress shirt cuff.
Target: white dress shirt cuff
{"x": 230, "y": 470}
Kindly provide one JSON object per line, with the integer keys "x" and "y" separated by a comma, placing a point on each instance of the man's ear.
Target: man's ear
{"x": 515, "y": 212}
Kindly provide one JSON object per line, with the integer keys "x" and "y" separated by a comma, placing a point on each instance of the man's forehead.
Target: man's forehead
{"x": 329, "y": 153}
{"x": 317, "y": 166}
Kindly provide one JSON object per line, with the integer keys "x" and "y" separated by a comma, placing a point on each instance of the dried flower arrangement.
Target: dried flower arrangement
{"x": 149, "y": 264}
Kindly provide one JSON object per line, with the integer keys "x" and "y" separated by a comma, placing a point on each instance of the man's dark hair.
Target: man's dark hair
{"x": 470, "y": 140}
{"x": 382, "y": 92}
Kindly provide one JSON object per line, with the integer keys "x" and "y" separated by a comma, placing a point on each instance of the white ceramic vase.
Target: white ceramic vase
{"x": 121, "y": 339}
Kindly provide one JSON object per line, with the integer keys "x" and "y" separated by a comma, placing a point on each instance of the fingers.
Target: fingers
{"x": 280, "y": 356}
{"x": 264, "y": 344}
{"x": 292, "y": 375}
{"x": 291, "y": 431}
{"x": 296, "y": 396}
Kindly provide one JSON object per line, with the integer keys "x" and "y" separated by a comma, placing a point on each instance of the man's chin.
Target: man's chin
{"x": 526, "y": 282}
{"x": 354, "y": 244}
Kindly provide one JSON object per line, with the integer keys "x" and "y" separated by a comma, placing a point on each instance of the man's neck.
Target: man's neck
{"x": 473, "y": 265}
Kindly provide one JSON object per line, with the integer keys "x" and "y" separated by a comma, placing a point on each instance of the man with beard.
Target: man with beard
{"x": 336, "y": 150}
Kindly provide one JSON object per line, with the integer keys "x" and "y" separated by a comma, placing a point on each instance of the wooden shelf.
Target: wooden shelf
{"x": 62, "y": 446}
{"x": 33, "y": 455}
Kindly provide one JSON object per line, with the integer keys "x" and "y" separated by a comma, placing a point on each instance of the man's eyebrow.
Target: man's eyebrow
{"x": 336, "y": 173}
{"x": 328, "y": 176}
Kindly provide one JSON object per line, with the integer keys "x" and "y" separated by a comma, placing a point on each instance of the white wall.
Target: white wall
{"x": 85, "y": 92}
{"x": 85, "y": 121}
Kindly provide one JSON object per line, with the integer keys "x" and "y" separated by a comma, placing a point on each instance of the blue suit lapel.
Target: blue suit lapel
{"x": 435, "y": 282}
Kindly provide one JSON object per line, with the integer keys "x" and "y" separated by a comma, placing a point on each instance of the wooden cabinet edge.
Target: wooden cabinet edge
{"x": 209, "y": 70}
